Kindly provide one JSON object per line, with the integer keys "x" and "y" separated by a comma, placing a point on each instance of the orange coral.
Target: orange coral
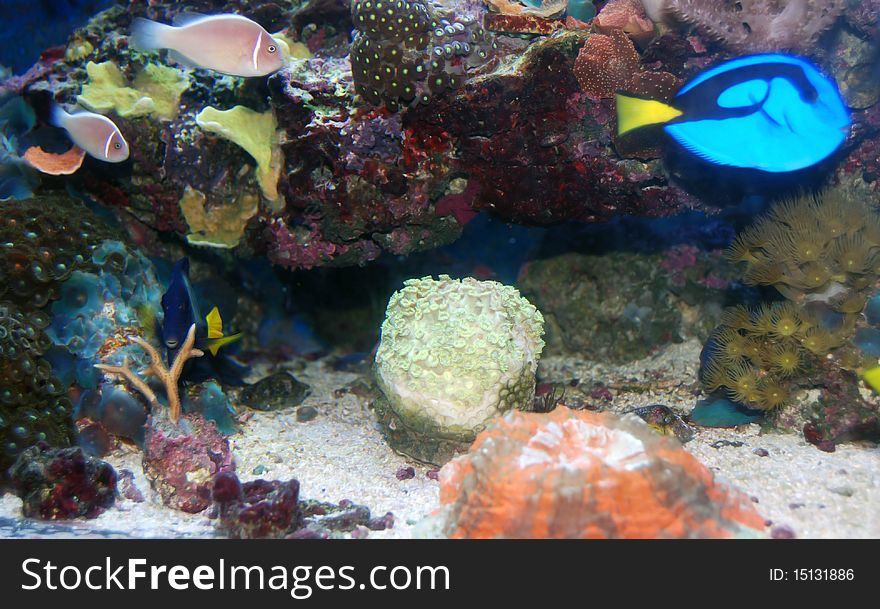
{"x": 55, "y": 164}
{"x": 606, "y": 63}
{"x": 579, "y": 474}
{"x": 626, "y": 15}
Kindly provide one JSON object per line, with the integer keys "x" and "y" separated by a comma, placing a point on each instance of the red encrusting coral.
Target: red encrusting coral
{"x": 62, "y": 483}
{"x": 257, "y": 510}
{"x": 606, "y": 63}
{"x": 182, "y": 460}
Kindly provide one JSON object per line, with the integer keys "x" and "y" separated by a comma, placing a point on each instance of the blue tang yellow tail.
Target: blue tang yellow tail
{"x": 770, "y": 112}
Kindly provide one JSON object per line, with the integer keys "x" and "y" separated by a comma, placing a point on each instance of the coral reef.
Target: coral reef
{"x": 571, "y": 474}
{"x": 62, "y": 483}
{"x": 182, "y": 459}
{"x": 453, "y": 354}
{"x": 515, "y": 136}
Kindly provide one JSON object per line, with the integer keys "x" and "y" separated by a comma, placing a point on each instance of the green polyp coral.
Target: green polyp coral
{"x": 815, "y": 249}
{"x": 43, "y": 242}
{"x": 823, "y": 254}
{"x": 453, "y": 355}
{"x": 256, "y": 133}
{"x": 220, "y": 225}
{"x": 155, "y": 92}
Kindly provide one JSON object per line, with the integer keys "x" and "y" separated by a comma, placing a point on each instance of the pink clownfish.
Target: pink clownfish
{"x": 230, "y": 44}
{"x": 94, "y": 133}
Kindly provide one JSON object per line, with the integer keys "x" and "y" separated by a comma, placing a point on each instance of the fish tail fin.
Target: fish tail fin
{"x": 634, "y": 112}
{"x": 58, "y": 116}
{"x": 215, "y": 323}
{"x": 149, "y": 35}
{"x": 872, "y": 377}
{"x": 215, "y": 344}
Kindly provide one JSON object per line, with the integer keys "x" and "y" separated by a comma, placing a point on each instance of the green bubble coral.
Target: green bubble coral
{"x": 155, "y": 92}
{"x": 256, "y": 133}
{"x": 453, "y": 355}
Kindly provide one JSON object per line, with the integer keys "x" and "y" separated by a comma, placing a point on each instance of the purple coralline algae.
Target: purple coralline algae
{"x": 181, "y": 461}
{"x": 258, "y": 509}
{"x": 273, "y": 509}
{"x": 62, "y": 483}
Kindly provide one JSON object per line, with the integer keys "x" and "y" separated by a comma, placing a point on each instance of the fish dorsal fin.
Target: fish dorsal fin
{"x": 187, "y": 17}
{"x": 215, "y": 324}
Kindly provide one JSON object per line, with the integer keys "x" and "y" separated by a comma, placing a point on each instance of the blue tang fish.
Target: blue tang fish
{"x": 181, "y": 311}
{"x": 772, "y": 112}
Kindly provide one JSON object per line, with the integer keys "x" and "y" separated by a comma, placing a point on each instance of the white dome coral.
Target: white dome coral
{"x": 454, "y": 354}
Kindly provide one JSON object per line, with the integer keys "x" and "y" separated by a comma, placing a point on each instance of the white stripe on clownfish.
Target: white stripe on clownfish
{"x": 107, "y": 145}
{"x": 257, "y": 50}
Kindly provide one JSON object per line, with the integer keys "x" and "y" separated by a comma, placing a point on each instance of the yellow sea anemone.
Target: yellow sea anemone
{"x": 850, "y": 253}
{"x": 818, "y": 341}
{"x": 785, "y": 320}
{"x": 771, "y": 395}
{"x": 785, "y": 358}
{"x": 763, "y": 273}
{"x": 738, "y": 318}
{"x": 743, "y": 382}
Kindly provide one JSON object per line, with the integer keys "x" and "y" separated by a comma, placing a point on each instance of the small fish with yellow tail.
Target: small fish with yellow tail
{"x": 94, "y": 133}
{"x": 771, "y": 112}
{"x": 230, "y": 44}
{"x": 181, "y": 311}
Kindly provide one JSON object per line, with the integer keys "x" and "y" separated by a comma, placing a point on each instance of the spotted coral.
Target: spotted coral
{"x": 404, "y": 52}
{"x": 42, "y": 243}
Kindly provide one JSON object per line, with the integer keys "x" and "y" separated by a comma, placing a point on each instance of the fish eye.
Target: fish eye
{"x": 271, "y": 48}
{"x": 117, "y": 145}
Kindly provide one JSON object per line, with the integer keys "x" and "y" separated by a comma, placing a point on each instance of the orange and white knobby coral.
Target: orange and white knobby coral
{"x": 579, "y": 474}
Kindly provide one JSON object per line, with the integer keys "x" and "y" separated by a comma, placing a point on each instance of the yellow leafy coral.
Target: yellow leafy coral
{"x": 217, "y": 226}
{"x": 156, "y": 91}
{"x": 256, "y": 133}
